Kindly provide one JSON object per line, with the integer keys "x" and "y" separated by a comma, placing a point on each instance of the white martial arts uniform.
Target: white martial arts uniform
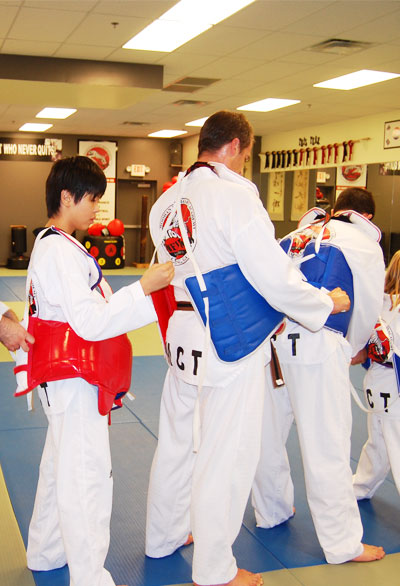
{"x": 3, "y": 309}
{"x": 71, "y": 517}
{"x": 380, "y": 453}
{"x": 206, "y": 493}
{"x": 315, "y": 368}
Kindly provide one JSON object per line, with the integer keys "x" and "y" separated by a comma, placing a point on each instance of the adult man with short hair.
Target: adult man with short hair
{"x": 205, "y": 493}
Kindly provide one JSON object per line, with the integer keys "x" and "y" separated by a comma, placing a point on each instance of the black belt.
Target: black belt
{"x": 387, "y": 364}
{"x": 184, "y": 306}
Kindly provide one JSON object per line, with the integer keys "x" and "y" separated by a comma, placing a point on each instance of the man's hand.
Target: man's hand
{"x": 157, "y": 277}
{"x": 12, "y": 334}
{"x": 341, "y": 301}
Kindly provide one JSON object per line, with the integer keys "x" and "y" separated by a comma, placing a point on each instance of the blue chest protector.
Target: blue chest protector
{"x": 240, "y": 318}
{"x": 328, "y": 269}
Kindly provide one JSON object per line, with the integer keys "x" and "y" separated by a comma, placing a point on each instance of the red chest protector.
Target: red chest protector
{"x": 59, "y": 353}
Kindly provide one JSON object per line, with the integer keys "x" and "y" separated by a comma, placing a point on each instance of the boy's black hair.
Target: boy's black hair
{"x": 221, "y": 128}
{"x": 355, "y": 198}
{"x": 78, "y": 175}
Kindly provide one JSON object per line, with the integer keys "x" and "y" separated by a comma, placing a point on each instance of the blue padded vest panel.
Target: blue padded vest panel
{"x": 240, "y": 318}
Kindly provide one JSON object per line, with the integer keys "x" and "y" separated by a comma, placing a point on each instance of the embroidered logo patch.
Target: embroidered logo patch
{"x": 301, "y": 239}
{"x": 173, "y": 241}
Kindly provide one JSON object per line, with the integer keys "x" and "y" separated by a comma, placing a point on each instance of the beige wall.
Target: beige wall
{"x": 386, "y": 189}
{"x": 22, "y": 184}
{"x": 365, "y": 151}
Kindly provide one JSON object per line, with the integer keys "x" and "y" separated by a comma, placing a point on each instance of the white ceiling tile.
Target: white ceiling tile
{"x": 36, "y": 48}
{"x": 99, "y": 26}
{"x": 223, "y": 68}
{"x": 72, "y": 51}
{"x": 144, "y": 9}
{"x": 262, "y": 51}
{"x": 7, "y": 15}
{"x": 272, "y": 70}
{"x": 72, "y": 5}
{"x": 222, "y": 40}
{"x": 337, "y": 17}
{"x": 275, "y": 46}
{"x": 380, "y": 30}
{"x": 44, "y": 25}
{"x": 274, "y": 14}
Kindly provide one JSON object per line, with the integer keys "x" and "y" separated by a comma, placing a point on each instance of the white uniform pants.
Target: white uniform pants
{"x": 205, "y": 493}
{"x": 71, "y": 517}
{"x": 318, "y": 396}
{"x": 380, "y": 453}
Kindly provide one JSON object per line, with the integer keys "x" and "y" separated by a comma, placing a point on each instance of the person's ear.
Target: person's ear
{"x": 66, "y": 198}
{"x": 235, "y": 146}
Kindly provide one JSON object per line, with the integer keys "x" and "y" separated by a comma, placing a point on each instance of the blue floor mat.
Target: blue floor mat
{"x": 133, "y": 440}
{"x": 13, "y": 288}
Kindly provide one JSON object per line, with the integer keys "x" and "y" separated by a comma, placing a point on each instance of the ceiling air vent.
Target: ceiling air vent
{"x": 133, "y": 123}
{"x": 340, "y": 46}
{"x": 189, "y": 84}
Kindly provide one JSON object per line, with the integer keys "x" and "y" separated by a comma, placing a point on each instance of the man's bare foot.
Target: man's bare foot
{"x": 243, "y": 578}
{"x": 189, "y": 540}
{"x": 370, "y": 554}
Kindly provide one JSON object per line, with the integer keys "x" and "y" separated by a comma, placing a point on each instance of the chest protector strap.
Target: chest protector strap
{"x": 59, "y": 353}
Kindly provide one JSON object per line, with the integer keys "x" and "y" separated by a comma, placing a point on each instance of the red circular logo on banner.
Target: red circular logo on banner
{"x": 99, "y": 155}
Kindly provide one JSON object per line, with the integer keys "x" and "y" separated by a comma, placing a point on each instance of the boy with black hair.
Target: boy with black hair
{"x": 71, "y": 517}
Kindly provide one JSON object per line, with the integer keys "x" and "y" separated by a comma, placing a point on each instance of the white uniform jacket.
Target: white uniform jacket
{"x": 226, "y": 224}
{"x": 358, "y": 239}
{"x": 61, "y": 275}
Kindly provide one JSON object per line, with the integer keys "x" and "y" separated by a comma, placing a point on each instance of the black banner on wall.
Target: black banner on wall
{"x": 30, "y": 149}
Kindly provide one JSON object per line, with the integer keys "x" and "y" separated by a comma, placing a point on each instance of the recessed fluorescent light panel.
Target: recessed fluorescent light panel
{"x": 357, "y": 79}
{"x": 183, "y": 22}
{"x": 167, "y": 133}
{"x": 59, "y": 113}
{"x": 268, "y": 105}
{"x": 198, "y": 122}
{"x": 35, "y": 127}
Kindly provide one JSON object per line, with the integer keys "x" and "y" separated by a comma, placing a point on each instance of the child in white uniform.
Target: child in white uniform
{"x": 380, "y": 453}
{"x": 315, "y": 368}
{"x": 71, "y": 517}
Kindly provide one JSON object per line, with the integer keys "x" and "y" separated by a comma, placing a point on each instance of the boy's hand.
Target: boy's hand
{"x": 157, "y": 277}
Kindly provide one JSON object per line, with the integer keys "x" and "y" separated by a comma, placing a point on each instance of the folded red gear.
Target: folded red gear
{"x": 59, "y": 353}
{"x": 164, "y": 304}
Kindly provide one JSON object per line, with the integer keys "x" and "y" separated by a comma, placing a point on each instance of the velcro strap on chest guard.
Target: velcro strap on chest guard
{"x": 240, "y": 318}
{"x": 329, "y": 269}
{"x": 59, "y": 353}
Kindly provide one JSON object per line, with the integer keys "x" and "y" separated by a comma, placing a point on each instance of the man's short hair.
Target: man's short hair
{"x": 355, "y": 198}
{"x": 221, "y": 128}
{"x": 78, "y": 175}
